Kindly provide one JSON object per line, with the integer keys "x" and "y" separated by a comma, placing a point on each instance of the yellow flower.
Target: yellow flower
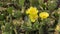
{"x": 43, "y": 15}
{"x": 33, "y": 18}
{"x": 57, "y": 27}
{"x": 32, "y": 10}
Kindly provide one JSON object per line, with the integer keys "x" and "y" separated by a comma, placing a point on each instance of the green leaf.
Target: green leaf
{"x": 56, "y": 15}
{"x": 52, "y": 5}
{"x": 34, "y": 3}
{"x": 21, "y": 2}
{"x": 27, "y": 25}
{"x": 59, "y": 20}
{"x": 50, "y": 29}
{"x": 5, "y": 33}
{"x": 9, "y": 10}
{"x": 1, "y": 22}
{"x": 1, "y": 4}
{"x": 7, "y": 27}
{"x": 9, "y": 32}
{"x": 2, "y": 16}
{"x": 41, "y": 2}
{"x": 36, "y": 25}
{"x": 17, "y": 14}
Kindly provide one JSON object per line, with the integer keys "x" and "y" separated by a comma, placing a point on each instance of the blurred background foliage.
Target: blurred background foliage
{"x": 13, "y": 19}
